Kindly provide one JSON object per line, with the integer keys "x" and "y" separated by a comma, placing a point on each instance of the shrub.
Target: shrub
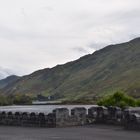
{"x": 138, "y": 102}
{"x": 119, "y": 99}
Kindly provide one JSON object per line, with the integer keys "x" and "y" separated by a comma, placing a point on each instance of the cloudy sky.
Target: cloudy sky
{"x": 36, "y": 34}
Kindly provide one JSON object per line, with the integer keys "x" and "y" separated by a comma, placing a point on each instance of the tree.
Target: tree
{"x": 20, "y": 99}
{"x": 119, "y": 99}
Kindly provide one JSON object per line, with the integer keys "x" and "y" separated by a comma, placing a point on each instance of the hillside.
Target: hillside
{"x": 8, "y": 80}
{"x": 111, "y": 68}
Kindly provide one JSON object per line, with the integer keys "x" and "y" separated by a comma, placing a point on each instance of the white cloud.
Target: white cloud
{"x": 36, "y": 34}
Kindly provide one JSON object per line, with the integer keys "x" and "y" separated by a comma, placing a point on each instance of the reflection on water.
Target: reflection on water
{"x": 39, "y": 108}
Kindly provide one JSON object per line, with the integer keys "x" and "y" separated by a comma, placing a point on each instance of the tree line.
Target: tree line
{"x": 119, "y": 98}
{"x": 18, "y": 99}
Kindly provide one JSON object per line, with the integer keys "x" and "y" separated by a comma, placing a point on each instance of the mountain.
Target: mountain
{"x": 8, "y": 80}
{"x": 4, "y": 72}
{"x": 111, "y": 68}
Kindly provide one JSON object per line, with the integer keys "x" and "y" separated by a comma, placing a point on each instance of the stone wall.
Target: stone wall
{"x": 131, "y": 118}
{"x": 62, "y": 117}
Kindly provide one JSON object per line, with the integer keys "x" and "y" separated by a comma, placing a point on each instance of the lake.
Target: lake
{"x": 39, "y": 108}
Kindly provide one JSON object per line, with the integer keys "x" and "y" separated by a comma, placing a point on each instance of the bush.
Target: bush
{"x": 18, "y": 99}
{"x": 138, "y": 102}
{"x": 4, "y": 100}
{"x": 21, "y": 99}
{"x": 119, "y": 99}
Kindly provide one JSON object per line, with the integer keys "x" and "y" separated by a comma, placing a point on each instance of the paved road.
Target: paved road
{"x": 99, "y": 132}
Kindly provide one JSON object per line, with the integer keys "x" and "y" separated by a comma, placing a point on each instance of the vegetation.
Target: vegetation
{"x": 119, "y": 99}
{"x": 8, "y": 80}
{"x": 4, "y": 100}
{"x": 22, "y": 99}
{"x": 15, "y": 99}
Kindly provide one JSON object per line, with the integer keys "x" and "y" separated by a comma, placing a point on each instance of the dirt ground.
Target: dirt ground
{"x": 96, "y": 132}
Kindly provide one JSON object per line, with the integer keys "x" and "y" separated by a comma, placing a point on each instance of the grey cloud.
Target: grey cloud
{"x": 4, "y": 72}
{"x": 37, "y": 34}
{"x": 48, "y": 8}
{"x": 81, "y": 50}
{"x": 96, "y": 46}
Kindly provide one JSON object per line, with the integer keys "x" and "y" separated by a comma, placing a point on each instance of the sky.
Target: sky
{"x": 37, "y": 34}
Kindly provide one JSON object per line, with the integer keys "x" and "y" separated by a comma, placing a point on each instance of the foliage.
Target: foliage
{"x": 119, "y": 99}
{"x": 15, "y": 99}
{"x": 3, "y": 100}
{"x": 22, "y": 99}
{"x": 138, "y": 102}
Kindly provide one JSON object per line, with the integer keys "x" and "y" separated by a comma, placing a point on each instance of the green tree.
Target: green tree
{"x": 119, "y": 99}
{"x": 21, "y": 99}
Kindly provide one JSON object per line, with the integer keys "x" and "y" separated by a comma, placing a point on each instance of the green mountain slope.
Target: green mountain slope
{"x": 8, "y": 80}
{"x": 111, "y": 68}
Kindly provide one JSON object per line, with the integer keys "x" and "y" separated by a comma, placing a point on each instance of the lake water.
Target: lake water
{"x": 39, "y": 108}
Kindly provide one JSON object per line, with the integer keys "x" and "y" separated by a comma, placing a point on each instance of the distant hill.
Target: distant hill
{"x": 8, "y": 80}
{"x": 111, "y": 68}
{"x": 4, "y": 72}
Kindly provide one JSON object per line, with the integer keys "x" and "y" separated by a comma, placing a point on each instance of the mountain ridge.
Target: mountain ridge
{"x": 111, "y": 68}
{"x": 6, "y": 81}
